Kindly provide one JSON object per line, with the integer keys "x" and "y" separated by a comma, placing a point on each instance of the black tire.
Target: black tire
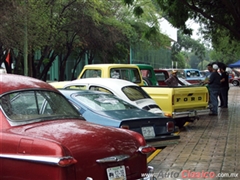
{"x": 146, "y": 81}
{"x": 235, "y": 83}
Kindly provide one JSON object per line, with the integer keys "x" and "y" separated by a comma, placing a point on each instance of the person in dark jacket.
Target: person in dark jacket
{"x": 224, "y": 87}
{"x": 214, "y": 86}
{"x": 173, "y": 79}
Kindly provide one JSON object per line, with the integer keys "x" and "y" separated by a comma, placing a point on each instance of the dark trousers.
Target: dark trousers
{"x": 224, "y": 96}
{"x": 214, "y": 93}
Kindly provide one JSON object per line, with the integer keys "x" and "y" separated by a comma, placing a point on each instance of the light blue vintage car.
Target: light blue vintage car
{"x": 106, "y": 109}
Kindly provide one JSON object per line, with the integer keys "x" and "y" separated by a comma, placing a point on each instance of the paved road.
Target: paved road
{"x": 208, "y": 148}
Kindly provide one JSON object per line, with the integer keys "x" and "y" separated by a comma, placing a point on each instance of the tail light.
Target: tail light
{"x": 66, "y": 161}
{"x": 146, "y": 149}
{"x": 168, "y": 115}
{"x": 170, "y": 126}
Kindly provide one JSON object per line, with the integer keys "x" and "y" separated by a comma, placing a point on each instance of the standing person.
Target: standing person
{"x": 173, "y": 79}
{"x": 214, "y": 86}
{"x": 210, "y": 69}
{"x": 224, "y": 87}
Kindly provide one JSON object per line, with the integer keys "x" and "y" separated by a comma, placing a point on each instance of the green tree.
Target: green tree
{"x": 104, "y": 30}
{"x": 190, "y": 46}
{"x": 212, "y": 14}
{"x": 225, "y": 49}
{"x": 218, "y": 19}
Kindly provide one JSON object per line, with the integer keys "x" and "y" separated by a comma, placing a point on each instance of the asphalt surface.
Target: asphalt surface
{"x": 209, "y": 148}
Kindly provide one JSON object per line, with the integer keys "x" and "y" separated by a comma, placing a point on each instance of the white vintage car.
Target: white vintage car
{"x": 123, "y": 89}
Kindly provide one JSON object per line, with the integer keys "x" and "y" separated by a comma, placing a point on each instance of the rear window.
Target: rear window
{"x": 135, "y": 93}
{"x": 146, "y": 73}
{"x": 192, "y": 73}
{"x": 161, "y": 76}
{"x": 129, "y": 74}
{"x": 103, "y": 102}
{"x": 24, "y": 107}
{"x": 91, "y": 73}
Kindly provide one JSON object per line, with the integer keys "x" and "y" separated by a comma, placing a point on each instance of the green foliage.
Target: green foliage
{"x": 64, "y": 29}
{"x": 193, "y": 50}
{"x": 226, "y": 49}
{"x": 179, "y": 57}
{"x": 203, "y": 65}
{"x": 138, "y": 11}
{"x": 130, "y": 2}
{"x": 219, "y": 21}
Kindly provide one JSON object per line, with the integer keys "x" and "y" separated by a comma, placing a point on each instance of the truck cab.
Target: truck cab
{"x": 129, "y": 72}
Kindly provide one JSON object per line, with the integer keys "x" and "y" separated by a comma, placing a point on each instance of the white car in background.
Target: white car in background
{"x": 123, "y": 89}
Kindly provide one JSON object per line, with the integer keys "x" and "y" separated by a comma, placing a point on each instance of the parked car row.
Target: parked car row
{"x": 182, "y": 103}
{"x": 43, "y": 136}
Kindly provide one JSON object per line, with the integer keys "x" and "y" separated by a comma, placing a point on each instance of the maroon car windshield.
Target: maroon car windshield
{"x": 24, "y": 107}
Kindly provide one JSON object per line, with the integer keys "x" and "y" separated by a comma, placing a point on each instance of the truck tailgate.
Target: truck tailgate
{"x": 189, "y": 98}
{"x": 180, "y": 99}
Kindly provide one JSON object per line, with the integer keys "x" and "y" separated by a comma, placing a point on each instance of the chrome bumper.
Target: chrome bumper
{"x": 161, "y": 141}
{"x": 164, "y": 143}
{"x": 193, "y": 113}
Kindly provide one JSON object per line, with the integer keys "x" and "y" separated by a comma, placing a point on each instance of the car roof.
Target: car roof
{"x": 106, "y": 81}
{"x": 71, "y": 91}
{"x": 111, "y": 65}
{"x": 190, "y": 69}
{"x": 12, "y": 82}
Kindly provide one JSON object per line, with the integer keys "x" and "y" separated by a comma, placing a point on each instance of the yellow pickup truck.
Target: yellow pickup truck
{"x": 183, "y": 103}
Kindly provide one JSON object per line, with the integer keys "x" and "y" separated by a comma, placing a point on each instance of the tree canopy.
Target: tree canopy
{"x": 213, "y": 14}
{"x": 218, "y": 19}
{"x": 68, "y": 29}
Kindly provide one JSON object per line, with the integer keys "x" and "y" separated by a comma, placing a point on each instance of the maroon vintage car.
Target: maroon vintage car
{"x": 42, "y": 136}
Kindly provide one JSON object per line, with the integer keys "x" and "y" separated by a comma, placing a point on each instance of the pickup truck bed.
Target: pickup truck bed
{"x": 180, "y": 101}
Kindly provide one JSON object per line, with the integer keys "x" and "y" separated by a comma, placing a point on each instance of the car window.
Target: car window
{"x": 79, "y": 87}
{"x": 180, "y": 73}
{"x": 103, "y": 102}
{"x": 98, "y": 88}
{"x": 192, "y": 73}
{"x": 36, "y": 105}
{"x": 146, "y": 73}
{"x": 160, "y": 76}
{"x": 129, "y": 74}
{"x": 135, "y": 93}
{"x": 91, "y": 73}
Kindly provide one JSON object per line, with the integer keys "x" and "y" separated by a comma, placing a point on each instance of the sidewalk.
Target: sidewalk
{"x": 209, "y": 147}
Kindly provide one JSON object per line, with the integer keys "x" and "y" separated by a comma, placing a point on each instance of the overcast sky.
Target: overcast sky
{"x": 168, "y": 29}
